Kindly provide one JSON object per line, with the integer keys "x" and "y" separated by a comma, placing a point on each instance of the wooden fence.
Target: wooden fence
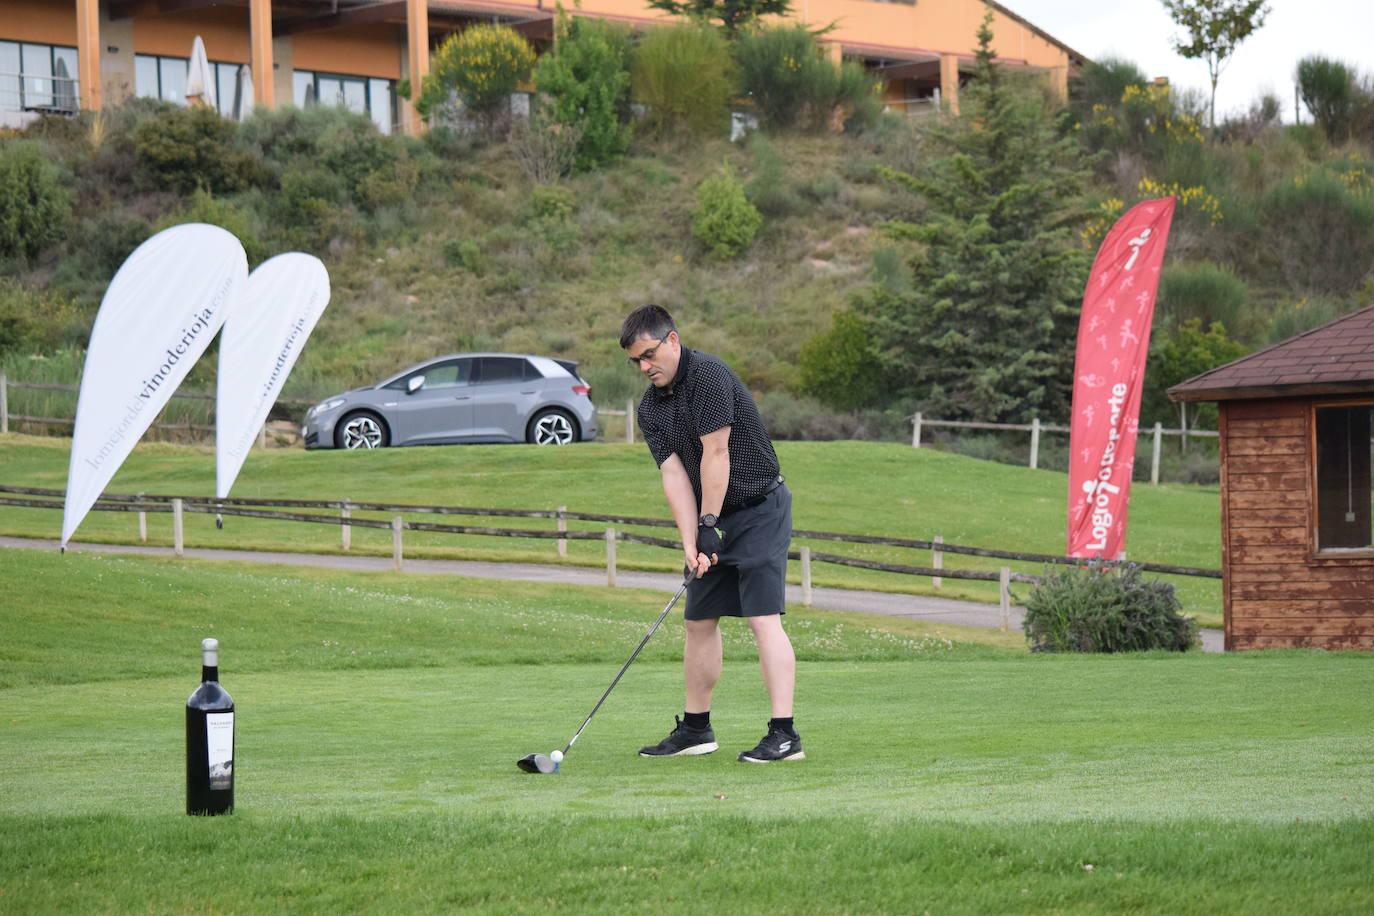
{"x": 177, "y": 506}
{"x": 918, "y": 422}
{"x": 1035, "y": 428}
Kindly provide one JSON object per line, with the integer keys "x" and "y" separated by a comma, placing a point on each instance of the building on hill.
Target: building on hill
{"x": 64, "y": 55}
{"x": 1297, "y": 549}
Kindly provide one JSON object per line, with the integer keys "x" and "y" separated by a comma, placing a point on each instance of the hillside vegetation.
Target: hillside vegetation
{"x": 480, "y": 236}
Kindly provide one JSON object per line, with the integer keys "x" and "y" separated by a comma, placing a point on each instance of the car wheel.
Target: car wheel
{"x": 551, "y": 427}
{"x": 361, "y": 430}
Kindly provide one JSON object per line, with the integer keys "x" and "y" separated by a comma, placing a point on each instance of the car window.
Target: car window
{"x": 448, "y": 375}
{"x": 498, "y": 369}
{"x": 440, "y": 375}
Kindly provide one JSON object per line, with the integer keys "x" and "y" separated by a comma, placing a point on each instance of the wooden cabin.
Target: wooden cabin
{"x": 1297, "y": 553}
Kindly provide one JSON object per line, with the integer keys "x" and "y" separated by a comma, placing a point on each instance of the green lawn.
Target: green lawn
{"x": 849, "y": 487}
{"x": 380, "y": 717}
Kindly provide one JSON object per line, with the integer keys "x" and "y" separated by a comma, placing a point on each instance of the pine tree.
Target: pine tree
{"x": 988, "y": 327}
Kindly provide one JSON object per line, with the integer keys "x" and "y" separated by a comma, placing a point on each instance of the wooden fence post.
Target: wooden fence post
{"x": 562, "y": 526}
{"x": 610, "y": 557}
{"x": 142, "y": 522}
{"x": 4, "y": 403}
{"x": 396, "y": 558}
{"x": 630, "y": 421}
{"x": 937, "y": 561}
{"x": 916, "y": 430}
{"x": 1154, "y": 463}
{"x": 1004, "y": 583}
{"x": 178, "y": 531}
{"x": 345, "y": 529}
{"x": 1035, "y": 443}
{"x": 806, "y": 576}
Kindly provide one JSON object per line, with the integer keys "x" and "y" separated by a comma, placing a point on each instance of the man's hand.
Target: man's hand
{"x": 710, "y": 542}
{"x": 707, "y": 551}
{"x": 698, "y": 564}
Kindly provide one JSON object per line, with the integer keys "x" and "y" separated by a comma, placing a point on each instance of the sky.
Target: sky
{"x": 1140, "y": 31}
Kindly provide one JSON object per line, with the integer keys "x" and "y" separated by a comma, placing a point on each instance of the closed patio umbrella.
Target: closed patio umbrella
{"x": 243, "y": 93}
{"x": 200, "y": 79}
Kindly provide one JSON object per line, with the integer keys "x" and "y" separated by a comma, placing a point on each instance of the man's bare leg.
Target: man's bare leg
{"x": 777, "y": 662}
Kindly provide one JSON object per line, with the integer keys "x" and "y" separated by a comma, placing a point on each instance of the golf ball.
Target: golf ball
{"x": 556, "y": 756}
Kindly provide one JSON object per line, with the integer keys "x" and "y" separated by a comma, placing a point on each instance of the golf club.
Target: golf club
{"x": 546, "y": 763}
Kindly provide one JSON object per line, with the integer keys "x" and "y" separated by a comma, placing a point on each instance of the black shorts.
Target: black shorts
{"x": 750, "y": 578}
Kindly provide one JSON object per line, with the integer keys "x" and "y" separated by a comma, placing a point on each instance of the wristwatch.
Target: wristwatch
{"x": 708, "y": 521}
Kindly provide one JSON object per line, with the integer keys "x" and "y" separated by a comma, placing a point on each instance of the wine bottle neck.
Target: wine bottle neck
{"x": 209, "y": 672}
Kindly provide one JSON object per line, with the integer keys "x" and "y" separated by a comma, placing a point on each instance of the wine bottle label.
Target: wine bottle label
{"x": 219, "y": 741}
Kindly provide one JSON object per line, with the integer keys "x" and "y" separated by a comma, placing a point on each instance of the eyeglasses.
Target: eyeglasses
{"x": 649, "y": 353}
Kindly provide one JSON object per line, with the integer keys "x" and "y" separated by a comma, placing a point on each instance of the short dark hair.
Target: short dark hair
{"x": 647, "y": 320}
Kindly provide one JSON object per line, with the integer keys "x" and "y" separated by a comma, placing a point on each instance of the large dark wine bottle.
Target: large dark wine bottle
{"x": 209, "y": 740}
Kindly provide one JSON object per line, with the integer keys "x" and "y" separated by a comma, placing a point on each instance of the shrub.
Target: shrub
{"x": 466, "y": 254}
{"x": 1323, "y": 232}
{"x": 1103, "y": 608}
{"x": 685, "y": 78}
{"x": 181, "y": 149}
{"x": 1147, "y": 121}
{"x": 1102, "y": 82}
{"x": 102, "y": 240}
{"x": 837, "y": 366}
{"x": 553, "y": 202}
{"x": 204, "y": 207}
{"x": 768, "y": 189}
{"x": 782, "y": 72}
{"x": 857, "y": 97}
{"x": 789, "y": 417}
{"x": 724, "y": 220}
{"x": 1327, "y": 89}
{"x": 545, "y": 150}
{"x": 585, "y": 84}
{"x": 482, "y": 65}
{"x": 1177, "y": 355}
{"x": 33, "y": 321}
{"x": 794, "y": 84}
{"x": 1203, "y": 291}
{"x": 35, "y": 206}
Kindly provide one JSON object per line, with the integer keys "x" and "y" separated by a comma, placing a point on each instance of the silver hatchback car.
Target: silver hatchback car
{"x": 464, "y": 397}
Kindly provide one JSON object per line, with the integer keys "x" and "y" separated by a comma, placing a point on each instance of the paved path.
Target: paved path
{"x": 915, "y": 607}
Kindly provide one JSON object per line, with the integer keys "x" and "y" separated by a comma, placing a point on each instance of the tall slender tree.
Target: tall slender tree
{"x": 733, "y": 15}
{"x": 987, "y": 328}
{"x": 1215, "y": 28}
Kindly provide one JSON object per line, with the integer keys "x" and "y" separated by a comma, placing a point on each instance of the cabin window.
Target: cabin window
{"x": 1344, "y": 449}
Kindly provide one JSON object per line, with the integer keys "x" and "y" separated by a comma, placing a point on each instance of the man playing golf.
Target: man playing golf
{"x": 734, "y": 513}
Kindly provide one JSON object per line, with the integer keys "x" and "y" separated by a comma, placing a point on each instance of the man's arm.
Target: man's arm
{"x": 715, "y": 470}
{"x": 682, "y": 502}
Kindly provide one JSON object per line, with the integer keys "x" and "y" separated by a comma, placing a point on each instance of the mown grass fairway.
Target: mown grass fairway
{"x": 848, "y": 487}
{"x": 380, "y": 718}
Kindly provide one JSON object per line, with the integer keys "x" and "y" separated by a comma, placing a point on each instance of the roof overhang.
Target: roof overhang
{"x": 1269, "y": 392}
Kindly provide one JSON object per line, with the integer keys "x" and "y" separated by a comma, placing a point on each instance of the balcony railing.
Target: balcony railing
{"x": 39, "y": 94}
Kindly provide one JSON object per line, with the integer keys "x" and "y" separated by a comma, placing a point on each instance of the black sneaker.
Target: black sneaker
{"x": 683, "y": 741}
{"x": 776, "y": 745}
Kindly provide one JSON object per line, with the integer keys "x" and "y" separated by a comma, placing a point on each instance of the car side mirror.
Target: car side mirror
{"x": 415, "y": 383}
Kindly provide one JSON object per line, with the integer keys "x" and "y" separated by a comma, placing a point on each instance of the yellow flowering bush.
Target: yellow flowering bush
{"x": 1196, "y": 199}
{"x": 481, "y": 65}
{"x": 1146, "y": 121}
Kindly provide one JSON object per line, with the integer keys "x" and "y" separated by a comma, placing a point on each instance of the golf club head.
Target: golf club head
{"x": 537, "y": 763}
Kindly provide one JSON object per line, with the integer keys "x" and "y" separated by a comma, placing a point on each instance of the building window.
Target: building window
{"x": 158, "y": 77}
{"x": 1343, "y": 491}
{"x": 36, "y": 77}
{"x": 365, "y": 95}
